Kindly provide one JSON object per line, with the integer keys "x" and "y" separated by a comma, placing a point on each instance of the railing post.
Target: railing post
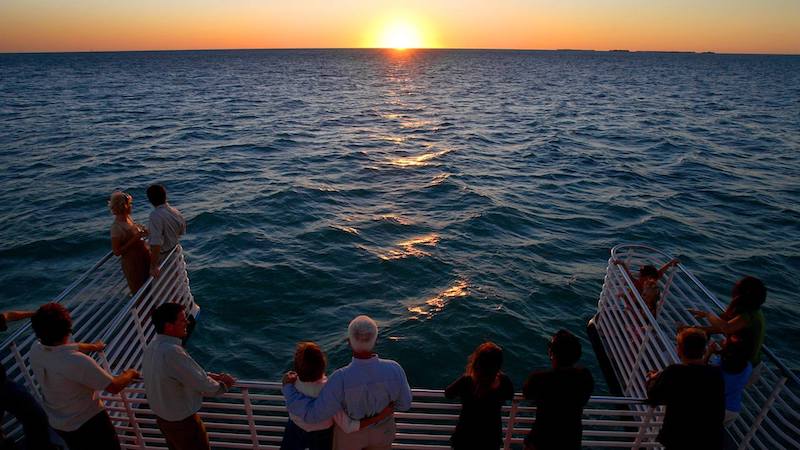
{"x": 138, "y": 323}
{"x": 24, "y": 369}
{"x": 512, "y": 420}
{"x": 648, "y": 416}
{"x": 251, "y": 421}
{"x": 761, "y": 415}
{"x": 132, "y": 419}
{"x": 637, "y": 362}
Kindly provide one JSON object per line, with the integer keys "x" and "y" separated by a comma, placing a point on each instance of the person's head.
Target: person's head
{"x": 157, "y": 194}
{"x": 692, "y": 343}
{"x": 170, "y": 319}
{"x": 485, "y": 363}
{"x": 748, "y": 294}
{"x": 362, "y": 334}
{"x": 120, "y": 203}
{"x": 52, "y": 324}
{"x": 648, "y": 272}
{"x": 309, "y": 362}
{"x": 564, "y": 349}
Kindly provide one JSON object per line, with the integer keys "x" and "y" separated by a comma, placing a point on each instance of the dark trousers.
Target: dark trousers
{"x": 296, "y": 438}
{"x": 16, "y": 400}
{"x": 186, "y": 434}
{"x": 97, "y": 433}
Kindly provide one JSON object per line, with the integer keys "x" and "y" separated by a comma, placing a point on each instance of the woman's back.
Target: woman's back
{"x": 479, "y": 424}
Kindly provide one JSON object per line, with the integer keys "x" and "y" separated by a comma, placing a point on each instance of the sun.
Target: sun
{"x": 400, "y": 35}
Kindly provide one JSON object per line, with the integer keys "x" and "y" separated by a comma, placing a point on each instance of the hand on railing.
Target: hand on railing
{"x": 223, "y": 378}
{"x": 289, "y": 377}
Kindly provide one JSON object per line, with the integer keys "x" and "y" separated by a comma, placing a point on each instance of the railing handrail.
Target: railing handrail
{"x": 764, "y": 349}
{"x": 135, "y": 298}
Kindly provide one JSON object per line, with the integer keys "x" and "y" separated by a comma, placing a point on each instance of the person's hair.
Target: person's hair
{"x": 51, "y": 323}
{"x": 118, "y": 201}
{"x": 363, "y": 332}
{"x": 648, "y": 271}
{"x": 565, "y": 348}
{"x": 157, "y": 194}
{"x": 309, "y": 361}
{"x": 483, "y": 366}
{"x": 692, "y": 342}
{"x": 164, "y": 314}
{"x": 748, "y": 295}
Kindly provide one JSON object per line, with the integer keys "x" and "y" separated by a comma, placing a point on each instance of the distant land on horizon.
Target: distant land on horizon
{"x": 575, "y": 50}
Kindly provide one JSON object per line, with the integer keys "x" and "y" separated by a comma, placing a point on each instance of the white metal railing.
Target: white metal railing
{"x": 103, "y": 309}
{"x": 253, "y": 415}
{"x": 636, "y": 342}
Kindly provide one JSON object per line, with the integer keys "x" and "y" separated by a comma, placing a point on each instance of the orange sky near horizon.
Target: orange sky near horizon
{"x": 733, "y": 26}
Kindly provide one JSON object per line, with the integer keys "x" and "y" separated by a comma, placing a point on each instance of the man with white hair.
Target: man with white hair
{"x": 362, "y": 389}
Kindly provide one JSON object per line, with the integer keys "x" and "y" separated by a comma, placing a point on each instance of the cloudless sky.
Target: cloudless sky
{"x": 734, "y": 26}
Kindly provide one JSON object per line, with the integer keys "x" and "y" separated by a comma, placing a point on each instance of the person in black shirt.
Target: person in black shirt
{"x": 15, "y": 399}
{"x": 483, "y": 390}
{"x": 560, "y": 395}
{"x": 694, "y": 394}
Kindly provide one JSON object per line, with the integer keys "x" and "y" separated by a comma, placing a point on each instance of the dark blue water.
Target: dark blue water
{"x": 455, "y": 196}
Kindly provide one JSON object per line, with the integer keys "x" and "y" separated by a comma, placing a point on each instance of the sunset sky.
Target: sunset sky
{"x": 731, "y": 26}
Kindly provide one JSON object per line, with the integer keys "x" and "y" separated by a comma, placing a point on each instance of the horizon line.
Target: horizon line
{"x": 622, "y": 50}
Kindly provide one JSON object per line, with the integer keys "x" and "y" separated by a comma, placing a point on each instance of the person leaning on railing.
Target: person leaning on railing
{"x": 694, "y": 395}
{"x": 175, "y": 384}
{"x": 127, "y": 243}
{"x": 69, "y": 381}
{"x": 166, "y": 225}
{"x": 559, "y": 394}
{"x": 362, "y": 388}
{"x": 483, "y": 390}
{"x": 647, "y": 282}
{"x": 15, "y": 399}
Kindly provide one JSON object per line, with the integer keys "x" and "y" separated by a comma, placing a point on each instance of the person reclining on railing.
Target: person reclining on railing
{"x": 483, "y": 391}
{"x": 560, "y": 395}
{"x": 362, "y": 389}
{"x": 69, "y": 381}
{"x": 166, "y": 226}
{"x": 175, "y": 384}
{"x": 743, "y": 319}
{"x": 694, "y": 394}
{"x": 309, "y": 364}
{"x": 647, "y": 282}
{"x": 15, "y": 399}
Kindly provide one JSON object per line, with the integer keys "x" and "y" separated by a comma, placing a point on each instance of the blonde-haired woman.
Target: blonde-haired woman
{"x": 126, "y": 241}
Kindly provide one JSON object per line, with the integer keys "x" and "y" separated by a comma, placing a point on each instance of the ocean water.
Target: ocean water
{"x": 455, "y": 196}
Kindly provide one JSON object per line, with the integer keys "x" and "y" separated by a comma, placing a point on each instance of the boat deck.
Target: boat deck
{"x": 252, "y": 415}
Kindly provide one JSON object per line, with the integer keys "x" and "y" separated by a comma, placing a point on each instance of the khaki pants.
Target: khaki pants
{"x": 376, "y": 437}
{"x": 186, "y": 434}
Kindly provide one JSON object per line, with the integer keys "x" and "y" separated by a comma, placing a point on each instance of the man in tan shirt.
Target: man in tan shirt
{"x": 175, "y": 384}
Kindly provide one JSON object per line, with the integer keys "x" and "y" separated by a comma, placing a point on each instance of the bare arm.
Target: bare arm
{"x": 11, "y": 316}
{"x": 674, "y": 262}
{"x": 385, "y": 412}
{"x": 85, "y": 347}
{"x": 718, "y": 324}
{"x": 120, "y": 382}
{"x": 155, "y": 253}
{"x": 119, "y": 247}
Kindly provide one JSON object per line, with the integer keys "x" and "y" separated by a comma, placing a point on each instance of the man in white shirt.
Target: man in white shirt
{"x": 175, "y": 384}
{"x": 165, "y": 227}
{"x": 70, "y": 380}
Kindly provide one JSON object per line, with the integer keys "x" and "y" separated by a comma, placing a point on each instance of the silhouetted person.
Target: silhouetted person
{"x": 15, "y": 399}
{"x": 483, "y": 391}
{"x": 694, "y": 394}
{"x": 560, "y": 394}
{"x": 70, "y": 381}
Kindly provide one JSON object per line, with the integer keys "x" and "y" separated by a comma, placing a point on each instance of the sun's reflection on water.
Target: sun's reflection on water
{"x": 438, "y": 302}
{"x": 419, "y": 160}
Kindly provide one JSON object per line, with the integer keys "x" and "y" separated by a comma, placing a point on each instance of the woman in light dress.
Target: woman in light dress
{"x": 126, "y": 241}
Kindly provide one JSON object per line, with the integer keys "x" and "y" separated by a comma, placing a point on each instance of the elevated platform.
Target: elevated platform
{"x": 252, "y": 415}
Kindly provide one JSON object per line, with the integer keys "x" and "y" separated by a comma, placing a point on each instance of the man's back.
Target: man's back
{"x": 559, "y": 395}
{"x": 695, "y": 400}
{"x": 166, "y": 225}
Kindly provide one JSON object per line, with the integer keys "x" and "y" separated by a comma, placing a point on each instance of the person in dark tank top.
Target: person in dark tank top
{"x": 559, "y": 393}
{"x": 483, "y": 391}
